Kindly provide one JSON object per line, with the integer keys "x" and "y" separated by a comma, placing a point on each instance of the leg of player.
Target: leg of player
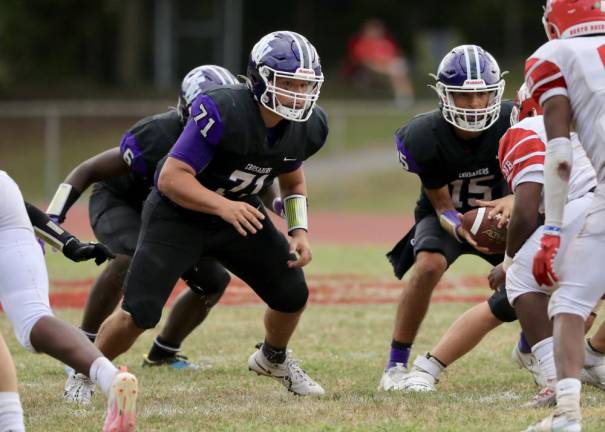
{"x": 594, "y": 363}
{"x": 11, "y": 412}
{"x": 104, "y": 295}
{"x": 462, "y": 336}
{"x": 531, "y": 309}
{"x": 207, "y": 281}
{"x": 272, "y": 357}
{"x": 188, "y": 311}
{"x": 411, "y": 310}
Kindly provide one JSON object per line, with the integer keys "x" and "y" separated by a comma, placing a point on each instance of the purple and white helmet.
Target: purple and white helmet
{"x": 469, "y": 68}
{"x": 199, "y": 79}
{"x": 277, "y": 58}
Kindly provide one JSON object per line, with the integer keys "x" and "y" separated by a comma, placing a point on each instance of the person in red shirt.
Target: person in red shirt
{"x": 374, "y": 50}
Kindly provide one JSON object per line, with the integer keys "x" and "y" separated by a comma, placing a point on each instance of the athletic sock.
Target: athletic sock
{"x": 91, "y": 336}
{"x": 523, "y": 345}
{"x": 592, "y": 356}
{"x": 11, "y": 412}
{"x": 543, "y": 352}
{"x": 430, "y": 364}
{"x": 274, "y": 354}
{"x": 161, "y": 350}
{"x": 400, "y": 353}
{"x": 102, "y": 372}
{"x": 568, "y": 396}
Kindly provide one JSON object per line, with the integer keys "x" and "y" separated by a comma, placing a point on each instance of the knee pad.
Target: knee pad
{"x": 145, "y": 313}
{"x": 500, "y": 307}
{"x": 207, "y": 282}
{"x": 289, "y": 300}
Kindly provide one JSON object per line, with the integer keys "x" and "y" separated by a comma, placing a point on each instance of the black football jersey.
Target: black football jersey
{"x": 142, "y": 147}
{"x": 227, "y": 144}
{"x": 428, "y": 146}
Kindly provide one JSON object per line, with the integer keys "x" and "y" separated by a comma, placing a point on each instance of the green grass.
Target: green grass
{"x": 343, "y": 347}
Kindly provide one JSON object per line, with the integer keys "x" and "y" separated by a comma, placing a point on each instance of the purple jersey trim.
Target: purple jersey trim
{"x": 132, "y": 154}
{"x": 198, "y": 142}
{"x": 405, "y": 157}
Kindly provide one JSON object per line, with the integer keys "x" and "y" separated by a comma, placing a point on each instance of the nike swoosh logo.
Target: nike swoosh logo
{"x": 287, "y": 159}
{"x": 262, "y": 368}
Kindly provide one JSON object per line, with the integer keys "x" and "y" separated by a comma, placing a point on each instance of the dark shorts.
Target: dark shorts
{"x": 428, "y": 235}
{"x": 115, "y": 222}
{"x": 173, "y": 240}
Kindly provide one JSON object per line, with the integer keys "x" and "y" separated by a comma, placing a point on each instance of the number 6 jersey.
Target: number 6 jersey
{"x": 574, "y": 68}
{"x": 428, "y": 147}
{"x": 227, "y": 144}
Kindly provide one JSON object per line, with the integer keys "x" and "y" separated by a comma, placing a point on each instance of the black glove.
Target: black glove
{"x": 77, "y": 251}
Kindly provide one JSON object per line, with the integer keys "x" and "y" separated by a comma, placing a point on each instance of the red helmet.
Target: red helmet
{"x": 524, "y": 106}
{"x": 570, "y": 18}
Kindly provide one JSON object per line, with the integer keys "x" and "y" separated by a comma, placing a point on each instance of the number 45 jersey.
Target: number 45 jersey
{"x": 428, "y": 147}
{"x": 232, "y": 152}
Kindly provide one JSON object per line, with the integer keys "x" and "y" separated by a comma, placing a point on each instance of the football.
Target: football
{"x": 485, "y": 231}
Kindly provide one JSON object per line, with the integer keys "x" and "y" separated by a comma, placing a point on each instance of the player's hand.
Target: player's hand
{"x": 501, "y": 206}
{"x": 244, "y": 217}
{"x": 496, "y": 277}
{"x": 464, "y": 234}
{"x": 77, "y": 251}
{"x": 543, "y": 266}
{"x": 300, "y": 248}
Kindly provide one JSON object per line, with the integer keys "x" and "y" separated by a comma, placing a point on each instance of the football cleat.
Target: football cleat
{"x": 78, "y": 389}
{"x": 594, "y": 375}
{"x": 122, "y": 403}
{"x": 528, "y": 361}
{"x": 546, "y": 397}
{"x": 176, "y": 361}
{"x": 419, "y": 381}
{"x": 289, "y": 373}
{"x": 558, "y": 422}
{"x": 393, "y": 378}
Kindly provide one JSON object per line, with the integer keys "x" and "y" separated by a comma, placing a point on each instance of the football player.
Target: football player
{"x": 521, "y": 156}
{"x": 453, "y": 150}
{"x": 566, "y": 76}
{"x": 237, "y": 141}
{"x": 24, "y": 298}
{"x": 123, "y": 177}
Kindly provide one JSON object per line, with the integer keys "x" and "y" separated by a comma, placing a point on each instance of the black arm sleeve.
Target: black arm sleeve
{"x": 46, "y": 229}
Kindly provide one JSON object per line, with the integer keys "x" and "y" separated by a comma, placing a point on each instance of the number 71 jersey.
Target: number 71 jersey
{"x": 233, "y": 153}
{"x": 574, "y": 68}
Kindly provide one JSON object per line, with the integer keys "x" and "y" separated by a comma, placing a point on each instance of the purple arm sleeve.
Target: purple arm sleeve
{"x": 198, "y": 142}
{"x": 132, "y": 154}
{"x": 405, "y": 157}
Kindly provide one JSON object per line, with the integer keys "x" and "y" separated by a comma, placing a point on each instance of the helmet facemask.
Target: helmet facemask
{"x": 470, "y": 119}
{"x": 290, "y": 104}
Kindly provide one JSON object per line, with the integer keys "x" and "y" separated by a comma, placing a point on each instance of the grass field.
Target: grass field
{"x": 344, "y": 347}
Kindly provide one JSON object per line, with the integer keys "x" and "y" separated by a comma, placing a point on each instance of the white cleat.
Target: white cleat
{"x": 419, "y": 381}
{"x": 289, "y": 373}
{"x": 594, "y": 375}
{"x": 122, "y": 404}
{"x": 78, "y": 389}
{"x": 393, "y": 378}
{"x": 528, "y": 361}
{"x": 558, "y": 423}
